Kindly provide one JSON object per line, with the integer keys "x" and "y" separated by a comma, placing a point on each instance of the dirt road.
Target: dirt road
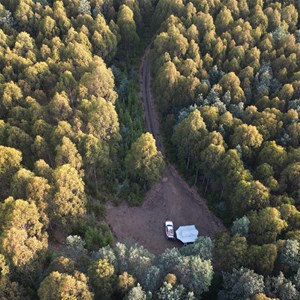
{"x": 172, "y": 198}
{"x": 150, "y": 114}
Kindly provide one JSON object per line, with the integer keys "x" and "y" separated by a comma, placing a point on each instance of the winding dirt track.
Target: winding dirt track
{"x": 171, "y": 198}
{"x": 150, "y": 114}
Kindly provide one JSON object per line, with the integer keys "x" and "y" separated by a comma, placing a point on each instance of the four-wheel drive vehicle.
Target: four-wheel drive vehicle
{"x": 169, "y": 229}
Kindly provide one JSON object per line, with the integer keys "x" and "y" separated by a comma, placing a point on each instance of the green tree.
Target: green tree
{"x": 273, "y": 154}
{"x": 165, "y": 8}
{"x": 172, "y": 42}
{"x": 96, "y": 156}
{"x": 67, "y": 153}
{"x": 281, "y": 288}
{"x": 204, "y": 23}
{"x": 48, "y": 27}
{"x": 232, "y": 172}
{"x": 98, "y": 81}
{"x": 259, "y": 19}
{"x": 23, "y": 239}
{"x": 165, "y": 84}
{"x": 262, "y": 258}
{"x": 289, "y": 14}
{"x": 41, "y": 168}
{"x": 19, "y": 139}
{"x": 84, "y": 7}
{"x": 240, "y": 226}
{"x": 230, "y": 251}
{"x": 195, "y": 274}
{"x": 9, "y": 289}
{"x": 62, "y": 264}
{"x": 40, "y": 148}
{"x": 152, "y": 278}
{"x": 265, "y": 225}
{"x": 108, "y": 254}
{"x": 186, "y": 135}
{"x": 169, "y": 259}
{"x": 265, "y": 174}
{"x": 10, "y": 162}
{"x": 11, "y": 95}
{"x": 139, "y": 259}
{"x": 202, "y": 247}
{"x": 12, "y": 290}
{"x": 241, "y": 284}
{"x": 60, "y": 16}
{"x": 69, "y": 200}
{"x": 290, "y": 179}
{"x": 127, "y": 27}
{"x": 34, "y": 189}
{"x": 63, "y": 129}
{"x": 19, "y": 183}
{"x": 290, "y": 254}
{"x": 125, "y": 282}
{"x": 143, "y": 162}
{"x": 59, "y": 107}
{"x": 230, "y": 82}
{"x": 207, "y": 156}
{"x": 249, "y": 195}
{"x": 104, "y": 40}
{"x": 63, "y": 286}
{"x": 102, "y": 275}
{"x": 248, "y": 137}
{"x": 102, "y": 120}
{"x": 223, "y": 20}
{"x": 169, "y": 291}
{"x": 136, "y": 293}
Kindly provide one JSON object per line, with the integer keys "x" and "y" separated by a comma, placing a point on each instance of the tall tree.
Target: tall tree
{"x": 127, "y": 27}
{"x": 23, "y": 239}
{"x": 231, "y": 251}
{"x": 248, "y": 137}
{"x": 103, "y": 277}
{"x": 249, "y": 195}
{"x": 265, "y": 225}
{"x": 69, "y": 200}
{"x": 10, "y": 162}
{"x": 63, "y": 286}
{"x": 98, "y": 81}
{"x": 143, "y": 161}
{"x": 195, "y": 274}
{"x": 187, "y": 134}
{"x": 241, "y": 284}
{"x": 67, "y": 153}
{"x": 101, "y": 120}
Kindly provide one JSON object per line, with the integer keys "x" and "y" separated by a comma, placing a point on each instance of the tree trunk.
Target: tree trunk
{"x": 207, "y": 182}
{"x": 203, "y": 181}
{"x": 196, "y": 176}
{"x": 188, "y": 162}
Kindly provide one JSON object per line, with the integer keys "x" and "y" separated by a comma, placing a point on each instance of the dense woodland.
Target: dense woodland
{"x": 226, "y": 79}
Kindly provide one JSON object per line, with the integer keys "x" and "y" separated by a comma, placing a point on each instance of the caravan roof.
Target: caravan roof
{"x": 187, "y": 234}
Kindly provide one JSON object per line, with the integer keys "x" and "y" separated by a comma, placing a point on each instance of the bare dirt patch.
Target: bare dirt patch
{"x": 170, "y": 199}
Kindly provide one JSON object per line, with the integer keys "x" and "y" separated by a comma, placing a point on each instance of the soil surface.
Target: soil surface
{"x": 171, "y": 198}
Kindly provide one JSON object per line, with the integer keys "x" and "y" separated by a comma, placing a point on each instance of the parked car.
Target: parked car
{"x": 169, "y": 229}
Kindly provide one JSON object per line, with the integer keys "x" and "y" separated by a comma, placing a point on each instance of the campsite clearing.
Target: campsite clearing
{"x": 171, "y": 199}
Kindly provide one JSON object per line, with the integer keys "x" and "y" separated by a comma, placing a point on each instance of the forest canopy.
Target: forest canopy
{"x": 226, "y": 81}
